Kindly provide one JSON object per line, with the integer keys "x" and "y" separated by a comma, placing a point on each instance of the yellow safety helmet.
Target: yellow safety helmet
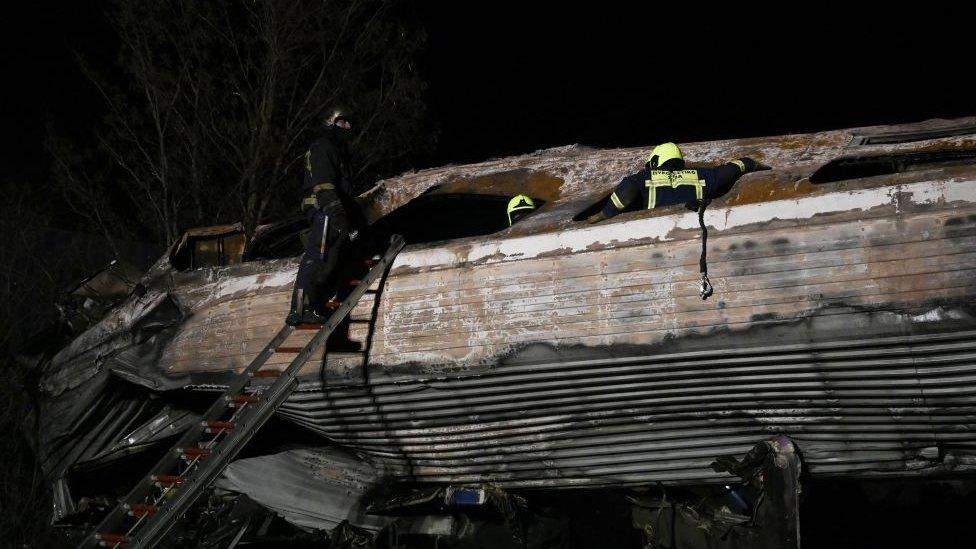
{"x": 519, "y": 202}
{"x": 662, "y": 153}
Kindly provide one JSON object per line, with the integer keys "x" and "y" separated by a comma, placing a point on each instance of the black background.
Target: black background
{"x": 509, "y": 78}
{"x": 506, "y": 78}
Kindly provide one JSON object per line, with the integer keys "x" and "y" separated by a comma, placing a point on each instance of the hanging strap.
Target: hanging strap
{"x": 705, "y": 287}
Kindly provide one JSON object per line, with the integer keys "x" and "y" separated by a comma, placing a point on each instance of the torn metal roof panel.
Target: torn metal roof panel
{"x": 312, "y": 488}
{"x": 168, "y": 422}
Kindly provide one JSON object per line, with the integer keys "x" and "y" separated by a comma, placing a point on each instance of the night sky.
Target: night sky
{"x": 510, "y": 81}
{"x": 505, "y": 79}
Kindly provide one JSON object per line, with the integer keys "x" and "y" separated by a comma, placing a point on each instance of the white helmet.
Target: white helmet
{"x": 335, "y": 115}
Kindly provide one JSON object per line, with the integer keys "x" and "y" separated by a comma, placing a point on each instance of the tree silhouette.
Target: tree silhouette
{"x": 210, "y": 106}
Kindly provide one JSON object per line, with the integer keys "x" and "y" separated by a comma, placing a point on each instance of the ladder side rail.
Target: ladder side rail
{"x": 374, "y": 314}
{"x": 255, "y": 417}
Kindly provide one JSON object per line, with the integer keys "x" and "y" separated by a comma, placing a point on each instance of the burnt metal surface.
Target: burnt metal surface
{"x": 99, "y": 423}
{"x": 763, "y": 512}
{"x": 313, "y": 488}
{"x": 923, "y": 131}
{"x": 898, "y": 405}
{"x": 560, "y": 354}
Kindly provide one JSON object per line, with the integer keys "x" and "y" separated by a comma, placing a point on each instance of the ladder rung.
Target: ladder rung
{"x": 288, "y": 349}
{"x": 106, "y": 538}
{"x": 310, "y": 327}
{"x": 266, "y": 373}
{"x": 168, "y": 480}
{"x": 238, "y": 400}
{"x": 141, "y": 509}
{"x": 212, "y": 426}
{"x": 195, "y": 452}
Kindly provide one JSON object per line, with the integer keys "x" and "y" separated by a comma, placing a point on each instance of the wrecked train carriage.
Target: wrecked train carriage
{"x": 560, "y": 354}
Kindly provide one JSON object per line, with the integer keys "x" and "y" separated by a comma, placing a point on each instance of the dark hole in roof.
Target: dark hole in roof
{"x": 857, "y": 167}
{"x": 436, "y": 216}
{"x": 433, "y": 216}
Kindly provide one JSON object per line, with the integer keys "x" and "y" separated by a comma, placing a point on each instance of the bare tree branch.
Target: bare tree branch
{"x": 211, "y": 103}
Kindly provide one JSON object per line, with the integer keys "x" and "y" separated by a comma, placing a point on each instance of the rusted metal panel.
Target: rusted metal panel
{"x": 644, "y": 293}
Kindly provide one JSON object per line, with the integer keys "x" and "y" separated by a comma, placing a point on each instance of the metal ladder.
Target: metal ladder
{"x": 158, "y": 501}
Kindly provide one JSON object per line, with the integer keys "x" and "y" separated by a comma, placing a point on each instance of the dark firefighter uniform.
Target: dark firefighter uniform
{"x": 656, "y": 188}
{"x": 327, "y": 205}
{"x": 665, "y": 181}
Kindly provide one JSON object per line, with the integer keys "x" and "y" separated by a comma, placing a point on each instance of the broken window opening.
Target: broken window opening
{"x": 470, "y": 206}
{"x": 460, "y": 208}
{"x": 857, "y": 167}
{"x": 890, "y": 138}
{"x": 435, "y": 216}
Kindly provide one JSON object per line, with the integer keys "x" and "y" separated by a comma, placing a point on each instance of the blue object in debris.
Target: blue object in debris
{"x": 461, "y": 497}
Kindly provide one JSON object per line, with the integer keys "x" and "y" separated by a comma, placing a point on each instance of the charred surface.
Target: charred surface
{"x": 555, "y": 354}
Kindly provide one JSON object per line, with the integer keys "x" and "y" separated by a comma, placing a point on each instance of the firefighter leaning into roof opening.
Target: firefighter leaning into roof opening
{"x": 665, "y": 181}
{"x": 330, "y": 210}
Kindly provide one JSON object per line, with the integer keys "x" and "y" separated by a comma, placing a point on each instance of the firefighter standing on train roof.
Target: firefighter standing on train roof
{"x": 329, "y": 207}
{"x": 665, "y": 181}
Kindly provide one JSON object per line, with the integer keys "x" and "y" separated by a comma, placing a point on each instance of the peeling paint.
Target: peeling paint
{"x": 662, "y": 228}
{"x": 232, "y": 286}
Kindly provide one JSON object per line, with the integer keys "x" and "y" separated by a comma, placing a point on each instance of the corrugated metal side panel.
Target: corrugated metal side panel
{"x": 858, "y": 407}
